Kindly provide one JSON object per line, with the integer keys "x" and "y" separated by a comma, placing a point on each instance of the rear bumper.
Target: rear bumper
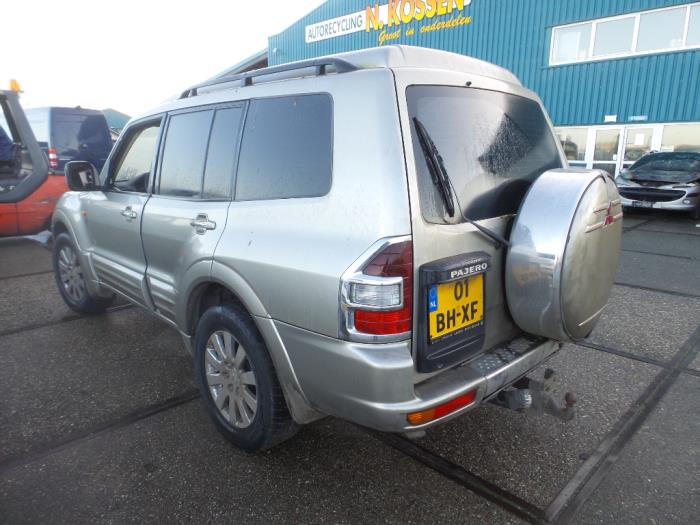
{"x": 373, "y": 385}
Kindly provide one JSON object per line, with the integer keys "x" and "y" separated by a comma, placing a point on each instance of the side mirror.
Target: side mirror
{"x": 81, "y": 176}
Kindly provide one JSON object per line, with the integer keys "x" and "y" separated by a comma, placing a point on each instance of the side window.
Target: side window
{"x": 184, "y": 153}
{"x": 133, "y": 168}
{"x": 221, "y": 156}
{"x": 287, "y": 148}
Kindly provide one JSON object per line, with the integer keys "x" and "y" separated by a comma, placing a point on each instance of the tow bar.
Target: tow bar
{"x": 534, "y": 397}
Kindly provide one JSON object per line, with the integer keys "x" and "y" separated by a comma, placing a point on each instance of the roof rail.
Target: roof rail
{"x": 320, "y": 64}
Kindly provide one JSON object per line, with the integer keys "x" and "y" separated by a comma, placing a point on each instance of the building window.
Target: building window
{"x": 654, "y": 31}
{"x": 573, "y": 140}
{"x": 572, "y": 43}
{"x": 661, "y": 29}
{"x": 681, "y": 137}
{"x": 693, "y": 38}
{"x": 613, "y": 37}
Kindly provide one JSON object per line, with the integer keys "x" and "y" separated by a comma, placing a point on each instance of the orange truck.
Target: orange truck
{"x": 29, "y": 190}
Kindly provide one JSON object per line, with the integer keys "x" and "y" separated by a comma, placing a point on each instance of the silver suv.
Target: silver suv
{"x": 387, "y": 236}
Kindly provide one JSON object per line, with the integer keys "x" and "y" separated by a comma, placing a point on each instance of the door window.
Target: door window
{"x": 222, "y": 153}
{"x": 184, "y": 154}
{"x": 134, "y": 166}
{"x": 605, "y": 154}
{"x": 5, "y": 123}
{"x": 606, "y": 144}
{"x": 573, "y": 140}
{"x": 287, "y": 148}
{"x": 637, "y": 144}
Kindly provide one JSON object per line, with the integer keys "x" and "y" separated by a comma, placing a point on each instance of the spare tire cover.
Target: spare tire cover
{"x": 565, "y": 246}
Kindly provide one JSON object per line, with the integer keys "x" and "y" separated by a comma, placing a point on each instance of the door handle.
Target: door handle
{"x": 202, "y": 223}
{"x": 129, "y": 213}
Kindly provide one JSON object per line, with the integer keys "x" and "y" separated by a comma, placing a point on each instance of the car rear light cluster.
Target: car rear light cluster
{"x": 377, "y": 295}
{"x": 53, "y": 158}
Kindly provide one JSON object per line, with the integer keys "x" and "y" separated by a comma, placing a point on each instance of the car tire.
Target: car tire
{"x": 241, "y": 391}
{"x": 70, "y": 279}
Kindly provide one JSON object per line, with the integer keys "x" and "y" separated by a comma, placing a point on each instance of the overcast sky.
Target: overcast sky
{"x": 130, "y": 55}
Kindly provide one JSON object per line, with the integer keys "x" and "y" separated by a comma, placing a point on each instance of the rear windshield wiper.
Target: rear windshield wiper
{"x": 442, "y": 181}
{"x": 435, "y": 166}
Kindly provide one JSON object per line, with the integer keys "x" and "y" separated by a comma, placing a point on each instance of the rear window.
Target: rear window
{"x": 286, "y": 149}
{"x": 72, "y": 132}
{"x": 39, "y": 122}
{"x": 494, "y": 145}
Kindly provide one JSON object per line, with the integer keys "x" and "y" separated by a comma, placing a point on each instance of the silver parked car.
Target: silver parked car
{"x": 663, "y": 180}
{"x": 385, "y": 236}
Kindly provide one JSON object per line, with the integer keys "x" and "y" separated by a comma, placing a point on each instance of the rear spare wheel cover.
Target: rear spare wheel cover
{"x": 564, "y": 250}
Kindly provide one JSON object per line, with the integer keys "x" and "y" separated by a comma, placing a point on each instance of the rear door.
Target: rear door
{"x": 114, "y": 215}
{"x": 186, "y": 215}
{"x": 493, "y": 145}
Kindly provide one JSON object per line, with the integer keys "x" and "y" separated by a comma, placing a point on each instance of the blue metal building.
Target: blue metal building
{"x": 618, "y": 77}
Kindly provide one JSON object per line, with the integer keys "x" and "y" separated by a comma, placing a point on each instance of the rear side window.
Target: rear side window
{"x": 494, "y": 145}
{"x": 287, "y": 148}
{"x": 73, "y": 132}
{"x": 184, "y": 154}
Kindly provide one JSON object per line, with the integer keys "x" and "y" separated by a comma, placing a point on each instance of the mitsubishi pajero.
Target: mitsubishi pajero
{"x": 389, "y": 236}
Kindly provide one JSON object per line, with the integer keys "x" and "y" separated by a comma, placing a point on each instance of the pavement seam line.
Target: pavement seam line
{"x": 104, "y": 428}
{"x": 69, "y": 318}
{"x": 19, "y": 276}
{"x": 683, "y": 257}
{"x": 476, "y": 484}
{"x": 584, "y": 483}
{"x": 632, "y": 228}
{"x": 634, "y": 357}
{"x": 657, "y": 290}
{"x": 669, "y": 233}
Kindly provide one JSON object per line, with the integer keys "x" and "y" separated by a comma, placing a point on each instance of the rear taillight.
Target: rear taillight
{"x": 53, "y": 158}
{"x": 377, "y": 298}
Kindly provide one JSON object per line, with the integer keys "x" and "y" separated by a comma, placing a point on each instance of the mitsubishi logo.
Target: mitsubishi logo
{"x": 610, "y": 216}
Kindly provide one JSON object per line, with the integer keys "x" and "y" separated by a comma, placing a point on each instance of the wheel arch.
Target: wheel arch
{"x": 204, "y": 293}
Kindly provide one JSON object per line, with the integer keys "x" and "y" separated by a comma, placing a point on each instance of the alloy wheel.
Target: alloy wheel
{"x": 71, "y": 274}
{"x": 231, "y": 379}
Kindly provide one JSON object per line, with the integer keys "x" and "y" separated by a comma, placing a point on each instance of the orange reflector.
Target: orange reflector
{"x": 420, "y": 418}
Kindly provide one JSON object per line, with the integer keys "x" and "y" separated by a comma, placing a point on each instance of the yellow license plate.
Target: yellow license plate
{"x": 455, "y": 306}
